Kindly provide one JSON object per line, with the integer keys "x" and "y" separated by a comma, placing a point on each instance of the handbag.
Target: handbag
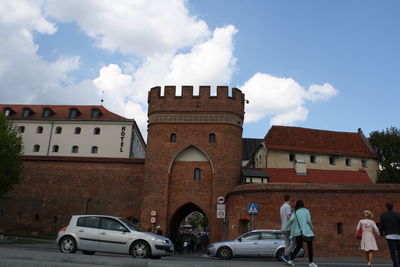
{"x": 305, "y": 238}
{"x": 359, "y": 232}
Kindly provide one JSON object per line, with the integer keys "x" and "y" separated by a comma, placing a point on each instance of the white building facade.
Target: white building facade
{"x": 82, "y": 131}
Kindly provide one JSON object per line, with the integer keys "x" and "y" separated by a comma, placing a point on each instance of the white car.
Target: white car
{"x": 92, "y": 233}
{"x": 257, "y": 243}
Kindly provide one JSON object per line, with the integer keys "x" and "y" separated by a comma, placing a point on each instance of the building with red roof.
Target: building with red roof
{"x": 71, "y": 130}
{"x": 300, "y": 155}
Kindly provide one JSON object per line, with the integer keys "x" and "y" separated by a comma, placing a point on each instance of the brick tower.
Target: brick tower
{"x": 194, "y": 154}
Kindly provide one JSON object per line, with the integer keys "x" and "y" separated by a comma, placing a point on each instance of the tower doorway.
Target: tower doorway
{"x": 189, "y": 224}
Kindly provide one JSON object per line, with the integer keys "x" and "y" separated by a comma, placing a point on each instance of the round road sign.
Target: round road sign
{"x": 220, "y": 200}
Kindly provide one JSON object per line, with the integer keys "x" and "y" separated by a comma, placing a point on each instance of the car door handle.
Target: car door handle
{"x": 102, "y": 233}
{"x": 81, "y": 231}
{"x": 255, "y": 243}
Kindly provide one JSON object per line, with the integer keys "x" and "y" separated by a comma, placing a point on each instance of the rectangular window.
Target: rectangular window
{"x": 292, "y": 157}
{"x": 364, "y": 163}
{"x": 90, "y": 222}
{"x": 332, "y": 160}
{"x": 348, "y": 162}
{"x": 313, "y": 159}
{"x": 339, "y": 228}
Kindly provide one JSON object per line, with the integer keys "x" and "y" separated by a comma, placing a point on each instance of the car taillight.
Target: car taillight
{"x": 63, "y": 229}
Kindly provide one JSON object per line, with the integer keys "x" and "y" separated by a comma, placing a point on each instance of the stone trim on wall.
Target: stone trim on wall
{"x": 196, "y": 118}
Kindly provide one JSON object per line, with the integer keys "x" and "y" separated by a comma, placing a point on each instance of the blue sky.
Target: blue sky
{"x": 330, "y": 65}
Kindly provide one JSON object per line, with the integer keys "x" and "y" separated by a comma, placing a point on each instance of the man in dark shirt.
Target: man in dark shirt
{"x": 389, "y": 227}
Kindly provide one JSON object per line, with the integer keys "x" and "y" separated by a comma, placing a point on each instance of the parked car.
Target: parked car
{"x": 92, "y": 233}
{"x": 257, "y": 243}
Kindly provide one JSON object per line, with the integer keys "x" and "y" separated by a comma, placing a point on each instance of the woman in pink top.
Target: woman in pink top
{"x": 368, "y": 243}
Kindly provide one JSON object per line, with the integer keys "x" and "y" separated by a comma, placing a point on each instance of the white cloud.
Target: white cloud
{"x": 283, "y": 99}
{"x": 321, "y": 92}
{"x": 139, "y": 27}
{"x": 24, "y": 76}
{"x": 208, "y": 63}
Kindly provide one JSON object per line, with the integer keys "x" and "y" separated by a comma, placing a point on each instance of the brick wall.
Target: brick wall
{"x": 329, "y": 205}
{"x": 54, "y": 188}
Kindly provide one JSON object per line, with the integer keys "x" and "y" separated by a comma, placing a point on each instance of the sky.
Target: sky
{"x": 330, "y": 65}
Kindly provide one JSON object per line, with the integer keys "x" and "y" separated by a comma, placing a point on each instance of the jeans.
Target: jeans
{"x": 394, "y": 248}
{"x": 289, "y": 244}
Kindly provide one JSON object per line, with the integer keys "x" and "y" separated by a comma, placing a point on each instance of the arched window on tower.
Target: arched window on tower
{"x": 172, "y": 138}
{"x": 211, "y": 138}
{"x": 197, "y": 174}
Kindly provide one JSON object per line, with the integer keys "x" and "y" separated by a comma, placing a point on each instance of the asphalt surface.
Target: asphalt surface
{"x": 17, "y": 253}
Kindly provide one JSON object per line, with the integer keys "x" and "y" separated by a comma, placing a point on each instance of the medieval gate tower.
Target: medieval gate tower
{"x": 194, "y": 154}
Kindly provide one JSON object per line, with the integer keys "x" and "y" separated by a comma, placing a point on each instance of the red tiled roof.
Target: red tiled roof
{"x": 60, "y": 112}
{"x": 278, "y": 175}
{"x": 317, "y": 141}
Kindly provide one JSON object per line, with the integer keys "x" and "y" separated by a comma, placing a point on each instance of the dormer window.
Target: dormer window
{"x": 8, "y": 111}
{"x": 74, "y": 112}
{"x": 47, "y": 112}
{"x": 26, "y": 112}
{"x": 95, "y": 113}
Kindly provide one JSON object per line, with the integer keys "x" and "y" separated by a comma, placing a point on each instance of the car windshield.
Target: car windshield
{"x": 130, "y": 226}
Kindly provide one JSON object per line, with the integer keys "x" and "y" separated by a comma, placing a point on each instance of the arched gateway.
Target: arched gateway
{"x": 178, "y": 217}
{"x": 194, "y": 153}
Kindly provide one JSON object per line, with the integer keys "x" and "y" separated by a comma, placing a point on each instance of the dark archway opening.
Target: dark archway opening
{"x": 188, "y": 225}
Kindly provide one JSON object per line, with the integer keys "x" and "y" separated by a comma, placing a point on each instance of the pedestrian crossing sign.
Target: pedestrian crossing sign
{"x": 252, "y": 208}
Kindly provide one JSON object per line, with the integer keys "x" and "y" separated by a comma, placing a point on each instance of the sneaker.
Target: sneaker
{"x": 290, "y": 262}
{"x": 312, "y": 264}
{"x": 285, "y": 258}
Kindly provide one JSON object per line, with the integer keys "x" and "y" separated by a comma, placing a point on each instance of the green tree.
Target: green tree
{"x": 10, "y": 156}
{"x": 198, "y": 221}
{"x": 387, "y": 146}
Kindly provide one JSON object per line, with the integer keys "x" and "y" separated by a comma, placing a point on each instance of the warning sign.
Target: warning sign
{"x": 252, "y": 208}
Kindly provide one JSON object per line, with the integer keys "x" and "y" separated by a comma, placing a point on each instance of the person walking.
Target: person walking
{"x": 389, "y": 227}
{"x": 368, "y": 242}
{"x": 302, "y": 231}
{"x": 285, "y": 212}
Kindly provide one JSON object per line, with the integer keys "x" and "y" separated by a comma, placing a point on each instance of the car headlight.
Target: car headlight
{"x": 157, "y": 239}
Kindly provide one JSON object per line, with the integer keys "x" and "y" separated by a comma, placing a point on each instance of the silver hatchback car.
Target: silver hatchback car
{"x": 257, "y": 243}
{"x": 91, "y": 233}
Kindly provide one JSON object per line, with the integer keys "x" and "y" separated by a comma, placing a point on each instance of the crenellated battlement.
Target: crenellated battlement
{"x": 190, "y": 103}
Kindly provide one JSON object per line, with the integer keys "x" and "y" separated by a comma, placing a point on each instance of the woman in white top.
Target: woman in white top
{"x": 368, "y": 242}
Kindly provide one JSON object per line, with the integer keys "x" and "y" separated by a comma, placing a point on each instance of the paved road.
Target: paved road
{"x": 48, "y": 255}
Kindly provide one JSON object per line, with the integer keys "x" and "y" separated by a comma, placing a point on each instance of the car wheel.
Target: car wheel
{"x": 86, "y": 252}
{"x": 68, "y": 245}
{"x": 224, "y": 253}
{"x": 279, "y": 254}
{"x": 140, "y": 249}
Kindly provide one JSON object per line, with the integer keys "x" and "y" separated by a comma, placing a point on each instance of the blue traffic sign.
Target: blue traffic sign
{"x": 252, "y": 208}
